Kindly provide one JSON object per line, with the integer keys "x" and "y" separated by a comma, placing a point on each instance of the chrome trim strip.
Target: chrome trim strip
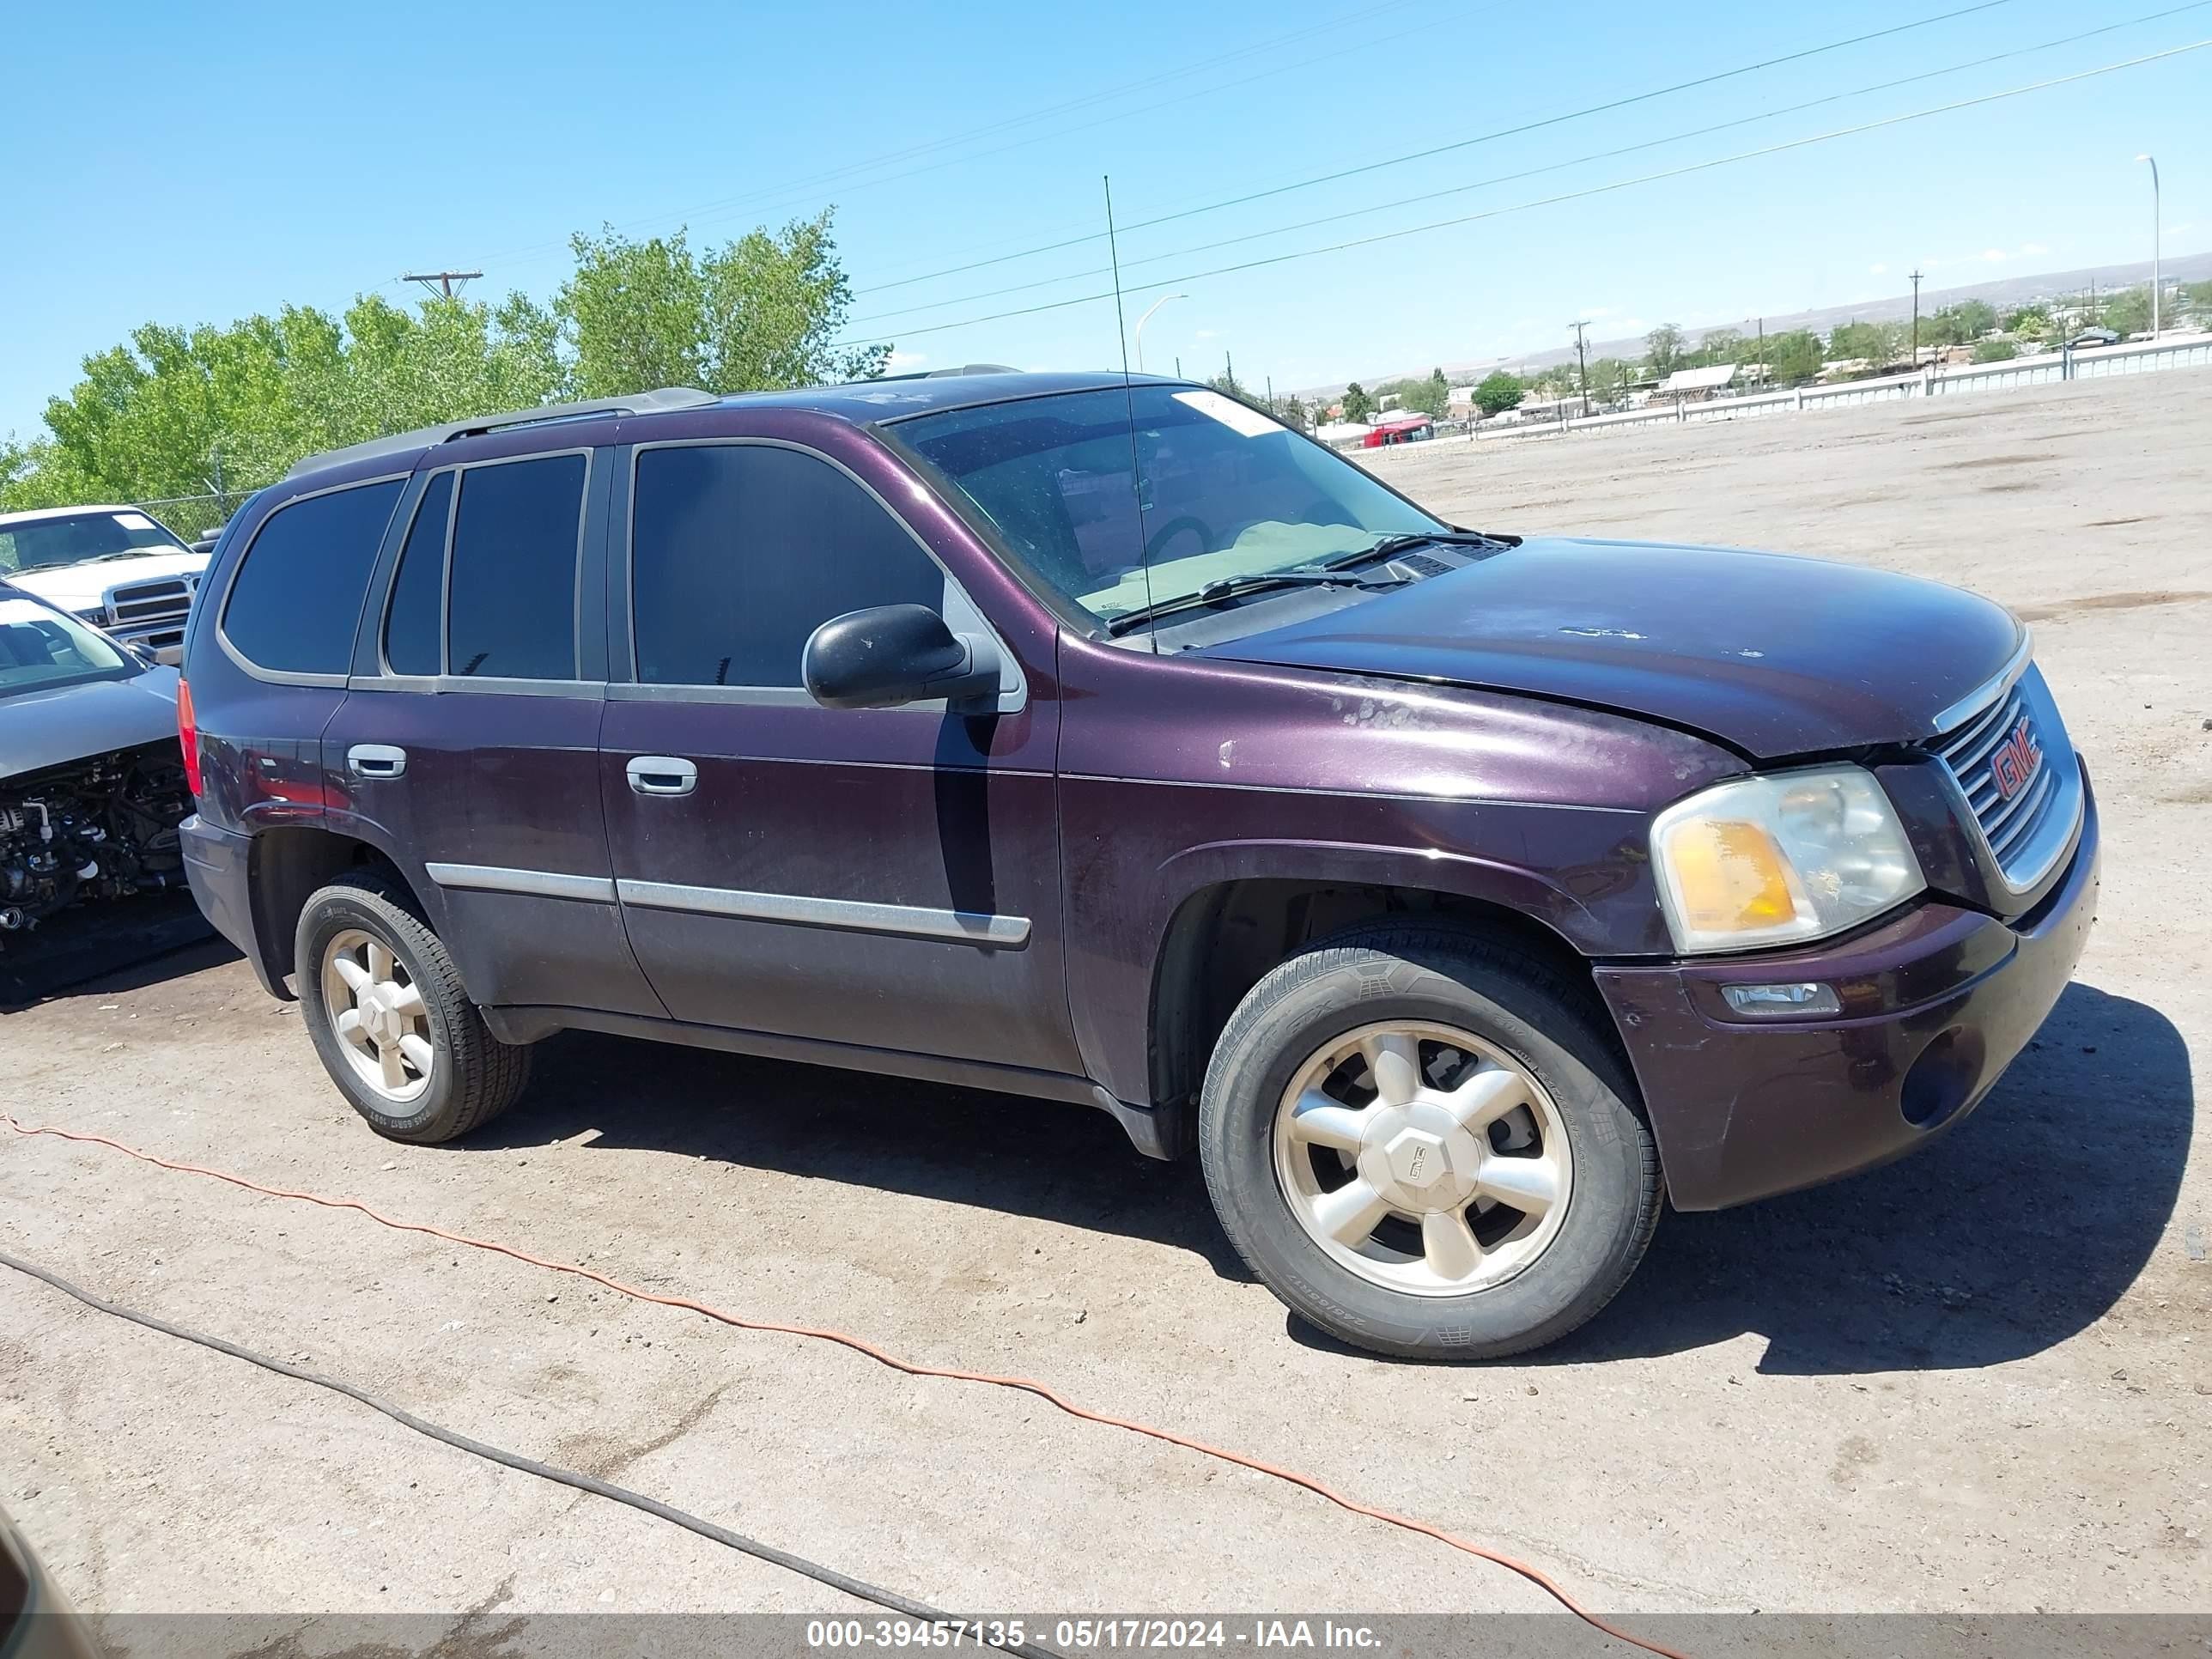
{"x": 1988, "y": 691}
{"x": 534, "y": 883}
{"x": 906, "y": 921}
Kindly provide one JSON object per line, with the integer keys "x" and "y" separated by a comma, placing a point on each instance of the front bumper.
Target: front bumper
{"x": 1935, "y": 1005}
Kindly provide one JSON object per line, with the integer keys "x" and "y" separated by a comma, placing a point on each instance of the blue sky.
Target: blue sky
{"x": 189, "y": 164}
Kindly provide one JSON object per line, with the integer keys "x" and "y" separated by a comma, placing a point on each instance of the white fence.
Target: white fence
{"x": 2192, "y": 351}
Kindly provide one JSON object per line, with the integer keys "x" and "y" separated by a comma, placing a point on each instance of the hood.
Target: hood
{"x": 42, "y": 728}
{"x": 1772, "y": 655}
{"x": 84, "y": 587}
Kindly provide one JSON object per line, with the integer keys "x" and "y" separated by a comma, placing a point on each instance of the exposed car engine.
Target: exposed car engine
{"x": 100, "y": 828}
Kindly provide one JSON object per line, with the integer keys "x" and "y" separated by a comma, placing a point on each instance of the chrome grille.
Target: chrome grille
{"x": 152, "y": 613}
{"x": 2026, "y": 829}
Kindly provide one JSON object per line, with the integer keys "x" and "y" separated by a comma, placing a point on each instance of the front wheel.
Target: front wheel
{"x": 1418, "y": 1139}
{"x": 383, "y": 1004}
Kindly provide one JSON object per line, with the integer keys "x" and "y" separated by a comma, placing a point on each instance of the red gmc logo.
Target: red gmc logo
{"x": 2015, "y": 764}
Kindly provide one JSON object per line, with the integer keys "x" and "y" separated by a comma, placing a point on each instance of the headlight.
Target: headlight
{"x": 1779, "y": 858}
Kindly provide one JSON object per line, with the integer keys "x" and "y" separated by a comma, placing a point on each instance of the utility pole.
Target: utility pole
{"x": 1229, "y": 371}
{"x": 1582, "y": 360}
{"x": 1271, "y": 394}
{"x": 1915, "y": 317}
{"x": 1762, "y": 351}
{"x": 443, "y": 279}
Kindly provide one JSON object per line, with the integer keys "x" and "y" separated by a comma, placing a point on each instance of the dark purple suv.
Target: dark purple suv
{"x": 1456, "y": 894}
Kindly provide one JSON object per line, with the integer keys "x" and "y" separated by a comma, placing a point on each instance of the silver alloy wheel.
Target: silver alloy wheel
{"x": 377, "y": 1010}
{"x": 1422, "y": 1159}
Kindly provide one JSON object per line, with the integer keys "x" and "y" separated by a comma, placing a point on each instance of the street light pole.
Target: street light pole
{"x": 1147, "y": 318}
{"x": 1915, "y": 317}
{"x": 1582, "y": 360}
{"x": 2155, "y": 284}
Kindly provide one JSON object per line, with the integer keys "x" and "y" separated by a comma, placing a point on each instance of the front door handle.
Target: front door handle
{"x": 661, "y": 774}
{"x": 376, "y": 760}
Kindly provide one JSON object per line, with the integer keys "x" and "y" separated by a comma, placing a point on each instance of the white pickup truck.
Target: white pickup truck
{"x": 116, "y": 567}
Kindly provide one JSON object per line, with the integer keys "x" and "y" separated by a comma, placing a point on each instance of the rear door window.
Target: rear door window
{"x": 414, "y": 621}
{"x": 511, "y": 584}
{"x": 296, "y": 600}
{"x": 739, "y": 552}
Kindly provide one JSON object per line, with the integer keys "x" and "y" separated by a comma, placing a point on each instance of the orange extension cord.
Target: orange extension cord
{"x": 1536, "y": 1576}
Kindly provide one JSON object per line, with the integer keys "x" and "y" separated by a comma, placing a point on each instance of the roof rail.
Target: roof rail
{"x": 638, "y": 402}
{"x": 939, "y": 373}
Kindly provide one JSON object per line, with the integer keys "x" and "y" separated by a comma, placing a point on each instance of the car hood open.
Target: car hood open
{"x": 1772, "y": 655}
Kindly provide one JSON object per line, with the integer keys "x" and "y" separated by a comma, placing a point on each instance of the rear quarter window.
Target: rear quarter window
{"x": 296, "y": 599}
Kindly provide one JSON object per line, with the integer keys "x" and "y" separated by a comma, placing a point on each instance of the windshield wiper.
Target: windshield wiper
{"x": 1230, "y": 587}
{"x": 125, "y": 553}
{"x": 1389, "y": 546}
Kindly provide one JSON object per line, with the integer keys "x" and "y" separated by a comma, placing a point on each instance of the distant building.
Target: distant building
{"x": 1685, "y": 384}
{"x": 1459, "y": 402}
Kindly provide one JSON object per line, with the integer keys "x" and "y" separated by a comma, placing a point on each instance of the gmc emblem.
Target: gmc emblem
{"x": 2014, "y": 765}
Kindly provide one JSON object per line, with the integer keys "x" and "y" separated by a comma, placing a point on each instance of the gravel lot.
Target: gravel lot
{"x": 1976, "y": 1380}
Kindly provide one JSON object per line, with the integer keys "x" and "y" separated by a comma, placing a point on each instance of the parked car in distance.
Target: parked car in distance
{"x": 92, "y": 782}
{"x": 117, "y": 568}
{"x": 2089, "y": 337}
{"x": 1458, "y": 895}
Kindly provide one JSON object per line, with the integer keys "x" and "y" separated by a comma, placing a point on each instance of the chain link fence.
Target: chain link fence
{"x": 195, "y": 516}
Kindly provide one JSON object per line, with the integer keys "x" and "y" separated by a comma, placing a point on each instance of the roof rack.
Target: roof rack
{"x": 639, "y": 402}
{"x": 940, "y": 373}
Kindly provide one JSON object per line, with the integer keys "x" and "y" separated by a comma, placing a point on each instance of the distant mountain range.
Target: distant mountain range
{"x": 2005, "y": 292}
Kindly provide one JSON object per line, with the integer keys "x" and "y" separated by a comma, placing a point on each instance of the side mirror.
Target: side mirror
{"x": 898, "y": 653}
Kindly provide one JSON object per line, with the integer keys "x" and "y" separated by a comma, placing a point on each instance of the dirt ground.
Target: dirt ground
{"x": 1975, "y": 1380}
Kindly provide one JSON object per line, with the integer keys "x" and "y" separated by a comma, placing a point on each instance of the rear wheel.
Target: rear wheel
{"x": 1421, "y": 1142}
{"x": 384, "y": 1007}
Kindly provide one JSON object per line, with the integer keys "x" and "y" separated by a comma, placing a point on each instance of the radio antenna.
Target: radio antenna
{"x": 1129, "y": 398}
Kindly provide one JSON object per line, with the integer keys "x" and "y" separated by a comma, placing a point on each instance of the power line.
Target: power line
{"x": 1536, "y": 171}
{"x": 1464, "y": 144}
{"x": 1550, "y": 201}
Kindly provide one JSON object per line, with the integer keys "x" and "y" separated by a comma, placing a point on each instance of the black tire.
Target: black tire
{"x": 475, "y": 1078}
{"x": 1510, "y": 998}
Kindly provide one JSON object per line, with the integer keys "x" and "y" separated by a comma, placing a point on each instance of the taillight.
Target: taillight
{"x": 188, "y": 737}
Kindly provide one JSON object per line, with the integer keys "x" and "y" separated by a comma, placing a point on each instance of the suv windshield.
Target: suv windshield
{"x": 114, "y": 534}
{"x": 41, "y": 648}
{"x": 1227, "y": 492}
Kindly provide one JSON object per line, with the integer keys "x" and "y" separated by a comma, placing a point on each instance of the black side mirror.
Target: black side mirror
{"x": 897, "y": 653}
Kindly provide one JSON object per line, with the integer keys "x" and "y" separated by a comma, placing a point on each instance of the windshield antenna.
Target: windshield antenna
{"x": 1129, "y": 397}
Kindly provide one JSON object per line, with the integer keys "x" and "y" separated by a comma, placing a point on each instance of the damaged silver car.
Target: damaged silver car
{"x": 92, "y": 782}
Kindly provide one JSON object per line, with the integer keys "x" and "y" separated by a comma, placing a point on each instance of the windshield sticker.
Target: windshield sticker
{"x": 1245, "y": 422}
{"x": 134, "y": 522}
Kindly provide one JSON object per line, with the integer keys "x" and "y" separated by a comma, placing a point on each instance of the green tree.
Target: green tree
{"x": 2128, "y": 310}
{"x": 1499, "y": 390}
{"x": 1793, "y": 358}
{"x": 1721, "y": 345}
{"x": 1295, "y": 415}
{"x": 1878, "y": 342}
{"x": 762, "y": 312}
{"x": 1357, "y": 405}
{"x": 171, "y": 409}
{"x": 2030, "y": 321}
{"x": 1995, "y": 351}
{"x": 1431, "y": 396}
{"x": 1663, "y": 347}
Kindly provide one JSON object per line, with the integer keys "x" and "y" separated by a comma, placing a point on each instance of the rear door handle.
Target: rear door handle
{"x": 376, "y": 760}
{"x": 661, "y": 774}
